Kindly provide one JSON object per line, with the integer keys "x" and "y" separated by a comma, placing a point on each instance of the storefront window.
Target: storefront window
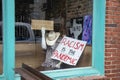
{"x": 27, "y": 50}
{"x": 31, "y": 39}
{"x": 71, "y": 18}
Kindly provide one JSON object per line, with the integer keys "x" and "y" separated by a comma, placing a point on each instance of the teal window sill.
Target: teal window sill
{"x": 66, "y": 73}
{"x": 72, "y": 72}
{"x": 69, "y": 73}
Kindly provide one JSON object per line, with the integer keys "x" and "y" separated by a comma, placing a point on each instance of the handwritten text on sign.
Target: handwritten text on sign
{"x": 69, "y": 50}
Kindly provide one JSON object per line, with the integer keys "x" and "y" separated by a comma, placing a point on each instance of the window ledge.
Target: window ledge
{"x": 72, "y": 73}
{"x": 86, "y": 78}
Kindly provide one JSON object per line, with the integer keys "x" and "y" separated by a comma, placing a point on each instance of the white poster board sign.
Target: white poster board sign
{"x": 69, "y": 50}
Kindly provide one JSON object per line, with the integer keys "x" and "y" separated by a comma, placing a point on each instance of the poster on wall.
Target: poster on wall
{"x": 87, "y": 29}
{"x": 76, "y": 28}
{"x": 69, "y": 50}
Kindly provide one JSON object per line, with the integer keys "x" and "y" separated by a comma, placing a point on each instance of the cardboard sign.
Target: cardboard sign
{"x": 69, "y": 50}
{"x": 38, "y": 24}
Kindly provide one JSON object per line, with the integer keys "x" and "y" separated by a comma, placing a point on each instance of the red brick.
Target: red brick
{"x": 108, "y": 4}
{"x": 112, "y": 58}
{"x": 109, "y": 21}
{"x": 108, "y": 71}
{"x": 108, "y": 62}
{"x": 115, "y": 71}
{"x": 116, "y": 78}
{"x": 117, "y": 3}
{"x": 110, "y": 50}
{"x": 116, "y": 12}
{"x": 108, "y": 54}
{"x": 110, "y": 66}
{"x": 113, "y": 75}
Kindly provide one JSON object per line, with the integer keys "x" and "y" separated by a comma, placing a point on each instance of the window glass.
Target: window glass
{"x": 0, "y": 33}
{"x": 21, "y": 33}
{"x": 71, "y": 18}
{"x": 1, "y": 64}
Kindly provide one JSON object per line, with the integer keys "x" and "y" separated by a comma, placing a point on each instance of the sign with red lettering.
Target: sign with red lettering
{"x": 69, "y": 50}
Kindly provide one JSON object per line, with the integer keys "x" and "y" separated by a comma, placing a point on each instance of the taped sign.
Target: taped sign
{"x": 38, "y": 24}
{"x": 69, "y": 50}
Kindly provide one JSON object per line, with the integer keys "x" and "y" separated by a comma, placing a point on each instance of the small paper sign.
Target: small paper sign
{"x": 38, "y": 24}
{"x": 69, "y": 50}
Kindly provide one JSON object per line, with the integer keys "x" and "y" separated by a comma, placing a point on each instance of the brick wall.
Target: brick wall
{"x": 112, "y": 40}
{"x": 78, "y": 8}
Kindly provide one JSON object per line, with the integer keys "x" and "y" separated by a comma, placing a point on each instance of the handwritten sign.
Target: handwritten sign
{"x": 69, "y": 50}
{"x": 38, "y": 24}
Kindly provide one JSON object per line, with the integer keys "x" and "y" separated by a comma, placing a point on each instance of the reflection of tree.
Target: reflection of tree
{"x": 0, "y": 10}
{"x": 22, "y": 10}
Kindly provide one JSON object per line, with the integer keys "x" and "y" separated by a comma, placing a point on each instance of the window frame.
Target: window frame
{"x": 98, "y": 45}
{"x": 98, "y": 48}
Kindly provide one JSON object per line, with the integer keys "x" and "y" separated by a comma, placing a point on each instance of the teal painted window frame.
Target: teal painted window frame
{"x": 8, "y": 18}
{"x": 98, "y": 45}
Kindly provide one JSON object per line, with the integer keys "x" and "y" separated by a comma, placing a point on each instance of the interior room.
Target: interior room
{"x": 71, "y": 18}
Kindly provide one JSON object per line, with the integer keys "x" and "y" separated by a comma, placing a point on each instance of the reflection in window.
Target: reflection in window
{"x": 21, "y": 33}
{"x": 1, "y": 50}
{"x": 0, "y": 33}
{"x": 1, "y": 64}
{"x": 71, "y": 18}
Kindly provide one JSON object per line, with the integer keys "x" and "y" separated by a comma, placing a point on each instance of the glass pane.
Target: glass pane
{"x": 1, "y": 64}
{"x": 21, "y": 32}
{"x": 72, "y": 18}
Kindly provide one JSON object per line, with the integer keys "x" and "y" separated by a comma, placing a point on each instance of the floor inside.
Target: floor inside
{"x": 36, "y": 60}
{"x": 31, "y": 60}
